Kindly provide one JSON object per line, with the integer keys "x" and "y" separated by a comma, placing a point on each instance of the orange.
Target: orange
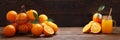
{"x": 30, "y": 14}
{"x": 97, "y": 17}
{"x": 52, "y": 25}
{"x": 48, "y": 31}
{"x": 11, "y": 16}
{"x": 37, "y": 29}
{"x": 23, "y": 28}
{"x": 21, "y": 18}
{"x": 29, "y": 26}
{"x": 42, "y": 18}
{"x": 15, "y": 25}
{"x": 87, "y": 27}
{"x": 95, "y": 28}
{"x": 9, "y": 30}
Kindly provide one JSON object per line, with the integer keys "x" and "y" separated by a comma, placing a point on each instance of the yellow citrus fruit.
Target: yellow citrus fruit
{"x": 42, "y": 18}
{"x": 9, "y": 30}
{"x": 37, "y": 29}
{"x": 48, "y": 31}
{"x": 30, "y": 14}
{"x": 21, "y": 18}
{"x": 95, "y": 28}
{"x": 11, "y": 16}
{"x": 52, "y": 25}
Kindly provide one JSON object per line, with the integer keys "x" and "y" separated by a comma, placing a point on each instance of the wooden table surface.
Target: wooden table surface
{"x": 67, "y": 33}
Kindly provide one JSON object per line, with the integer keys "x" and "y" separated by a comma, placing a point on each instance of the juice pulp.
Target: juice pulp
{"x": 107, "y": 25}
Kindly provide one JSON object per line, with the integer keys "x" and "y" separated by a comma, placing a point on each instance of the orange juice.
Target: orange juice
{"x": 107, "y": 24}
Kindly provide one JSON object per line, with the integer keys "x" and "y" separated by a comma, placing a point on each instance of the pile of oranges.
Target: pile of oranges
{"x": 29, "y": 22}
{"x": 94, "y": 26}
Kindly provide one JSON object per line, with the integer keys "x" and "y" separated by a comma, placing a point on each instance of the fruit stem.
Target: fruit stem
{"x": 23, "y": 8}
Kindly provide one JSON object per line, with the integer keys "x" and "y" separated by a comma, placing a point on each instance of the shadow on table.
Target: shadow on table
{"x": 26, "y": 35}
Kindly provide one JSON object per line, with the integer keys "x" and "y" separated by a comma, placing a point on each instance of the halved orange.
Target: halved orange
{"x": 52, "y": 25}
{"x": 87, "y": 27}
{"x": 48, "y": 31}
{"x": 95, "y": 28}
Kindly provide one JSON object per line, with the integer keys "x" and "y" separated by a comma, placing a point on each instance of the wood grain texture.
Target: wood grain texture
{"x": 67, "y": 33}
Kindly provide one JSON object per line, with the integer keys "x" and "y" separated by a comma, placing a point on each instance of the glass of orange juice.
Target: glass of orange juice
{"x": 107, "y": 24}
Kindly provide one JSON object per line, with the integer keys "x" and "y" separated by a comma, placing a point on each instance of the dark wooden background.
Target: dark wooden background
{"x": 64, "y": 12}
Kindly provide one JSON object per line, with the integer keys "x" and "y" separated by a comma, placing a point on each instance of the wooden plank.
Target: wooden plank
{"x": 58, "y": 8}
{"x": 67, "y": 33}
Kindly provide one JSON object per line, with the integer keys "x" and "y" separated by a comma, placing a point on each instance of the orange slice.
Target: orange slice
{"x": 95, "y": 28}
{"x": 53, "y": 26}
{"x": 87, "y": 27}
{"x": 48, "y": 31}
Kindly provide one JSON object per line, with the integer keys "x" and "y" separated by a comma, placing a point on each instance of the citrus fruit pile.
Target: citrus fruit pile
{"x": 29, "y": 22}
{"x": 94, "y": 26}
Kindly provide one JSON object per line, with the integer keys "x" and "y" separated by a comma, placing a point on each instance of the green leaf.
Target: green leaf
{"x": 101, "y": 8}
{"x": 34, "y": 22}
{"x": 51, "y": 20}
{"x": 36, "y": 18}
